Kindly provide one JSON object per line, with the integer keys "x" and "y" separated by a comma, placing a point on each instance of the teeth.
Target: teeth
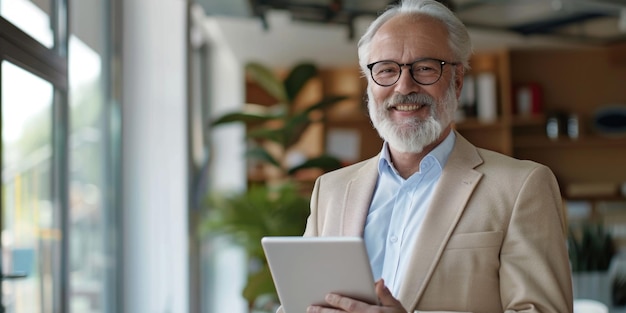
{"x": 408, "y": 107}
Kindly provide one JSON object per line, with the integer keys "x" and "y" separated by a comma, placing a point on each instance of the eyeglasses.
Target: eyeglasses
{"x": 425, "y": 71}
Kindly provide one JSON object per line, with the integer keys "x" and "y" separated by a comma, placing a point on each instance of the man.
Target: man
{"x": 448, "y": 226}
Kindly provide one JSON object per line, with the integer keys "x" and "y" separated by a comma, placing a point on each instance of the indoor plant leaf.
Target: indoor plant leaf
{"x": 271, "y": 134}
{"x": 297, "y": 78}
{"x": 242, "y": 117}
{"x": 325, "y": 162}
{"x": 267, "y": 80}
{"x": 592, "y": 250}
{"x": 259, "y": 153}
{"x": 294, "y": 128}
{"x": 326, "y": 102}
{"x": 258, "y": 284}
{"x": 297, "y": 124}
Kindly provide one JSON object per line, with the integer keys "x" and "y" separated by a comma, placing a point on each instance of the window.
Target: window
{"x": 31, "y": 232}
{"x": 60, "y": 156}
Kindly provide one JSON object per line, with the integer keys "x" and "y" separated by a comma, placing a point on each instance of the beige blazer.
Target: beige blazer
{"x": 492, "y": 241}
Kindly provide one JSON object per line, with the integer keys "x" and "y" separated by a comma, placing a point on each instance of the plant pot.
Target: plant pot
{"x": 592, "y": 285}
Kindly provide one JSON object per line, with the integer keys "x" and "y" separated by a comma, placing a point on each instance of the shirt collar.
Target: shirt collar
{"x": 440, "y": 153}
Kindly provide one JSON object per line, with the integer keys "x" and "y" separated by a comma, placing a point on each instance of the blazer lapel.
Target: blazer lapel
{"x": 356, "y": 201}
{"x": 457, "y": 183}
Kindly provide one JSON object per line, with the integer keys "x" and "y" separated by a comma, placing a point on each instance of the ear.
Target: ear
{"x": 458, "y": 79}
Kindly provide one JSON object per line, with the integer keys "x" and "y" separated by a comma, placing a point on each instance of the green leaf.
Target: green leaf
{"x": 242, "y": 117}
{"x": 260, "y": 211}
{"x": 297, "y": 78}
{"x": 262, "y": 154}
{"x": 259, "y": 284}
{"x": 326, "y": 102}
{"x": 325, "y": 162}
{"x": 294, "y": 128}
{"x": 298, "y": 123}
{"x": 267, "y": 80}
{"x": 592, "y": 249}
{"x": 271, "y": 134}
{"x": 248, "y": 216}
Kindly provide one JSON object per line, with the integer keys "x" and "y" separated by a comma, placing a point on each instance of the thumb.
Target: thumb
{"x": 384, "y": 295}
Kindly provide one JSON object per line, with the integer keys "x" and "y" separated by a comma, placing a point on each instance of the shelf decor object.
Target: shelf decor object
{"x": 610, "y": 120}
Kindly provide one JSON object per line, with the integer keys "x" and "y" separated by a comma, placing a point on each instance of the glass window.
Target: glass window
{"x": 92, "y": 208}
{"x": 32, "y": 17}
{"x": 88, "y": 260}
{"x": 60, "y": 158}
{"x": 31, "y": 233}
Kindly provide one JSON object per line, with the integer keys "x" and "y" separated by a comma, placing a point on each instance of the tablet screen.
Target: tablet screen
{"x": 305, "y": 269}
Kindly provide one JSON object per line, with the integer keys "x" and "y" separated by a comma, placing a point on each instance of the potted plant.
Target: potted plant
{"x": 275, "y": 204}
{"x": 591, "y": 251}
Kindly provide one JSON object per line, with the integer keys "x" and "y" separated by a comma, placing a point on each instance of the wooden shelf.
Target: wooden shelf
{"x": 585, "y": 142}
{"x": 592, "y": 198}
{"x": 532, "y": 120}
{"x": 596, "y": 190}
{"x": 475, "y": 124}
{"x": 348, "y": 117}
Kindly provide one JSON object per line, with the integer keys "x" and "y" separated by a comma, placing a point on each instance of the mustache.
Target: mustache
{"x": 412, "y": 98}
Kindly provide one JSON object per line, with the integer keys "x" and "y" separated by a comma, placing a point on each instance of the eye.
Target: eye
{"x": 386, "y": 69}
{"x": 426, "y": 67}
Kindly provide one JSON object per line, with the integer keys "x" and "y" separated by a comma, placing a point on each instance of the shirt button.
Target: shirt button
{"x": 393, "y": 239}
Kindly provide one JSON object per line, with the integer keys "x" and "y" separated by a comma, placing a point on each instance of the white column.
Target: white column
{"x": 228, "y": 171}
{"x": 154, "y": 157}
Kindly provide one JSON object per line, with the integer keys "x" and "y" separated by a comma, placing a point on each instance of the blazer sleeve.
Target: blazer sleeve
{"x": 311, "y": 223}
{"x": 534, "y": 271}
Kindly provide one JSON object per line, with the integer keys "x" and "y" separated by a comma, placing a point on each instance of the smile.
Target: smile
{"x": 408, "y": 107}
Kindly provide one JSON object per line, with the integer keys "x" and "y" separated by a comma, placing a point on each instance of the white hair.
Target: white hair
{"x": 458, "y": 37}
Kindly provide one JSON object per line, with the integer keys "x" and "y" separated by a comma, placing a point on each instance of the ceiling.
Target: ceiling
{"x": 584, "y": 21}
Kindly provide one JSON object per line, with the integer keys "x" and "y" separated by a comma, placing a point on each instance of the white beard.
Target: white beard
{"x": 413, "y": 134}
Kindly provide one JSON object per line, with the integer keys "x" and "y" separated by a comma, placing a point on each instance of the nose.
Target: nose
{"x": 406, "y": 84}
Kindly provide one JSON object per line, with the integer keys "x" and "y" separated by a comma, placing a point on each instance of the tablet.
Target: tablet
{"x": 305, "y": 269}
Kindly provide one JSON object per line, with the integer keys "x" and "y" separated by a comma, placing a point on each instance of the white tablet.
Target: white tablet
{"x": 305, "y": 269}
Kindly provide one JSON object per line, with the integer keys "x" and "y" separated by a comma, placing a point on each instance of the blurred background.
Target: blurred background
{"x": 110, "y": 153}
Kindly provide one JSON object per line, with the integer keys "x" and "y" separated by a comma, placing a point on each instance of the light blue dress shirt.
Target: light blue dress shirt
{"x": 397, "y": 211}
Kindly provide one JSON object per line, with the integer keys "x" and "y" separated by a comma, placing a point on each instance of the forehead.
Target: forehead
{"x": 407, "y": 37}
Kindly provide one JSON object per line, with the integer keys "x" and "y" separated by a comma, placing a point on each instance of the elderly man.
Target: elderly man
{"x": 448, "y": 226}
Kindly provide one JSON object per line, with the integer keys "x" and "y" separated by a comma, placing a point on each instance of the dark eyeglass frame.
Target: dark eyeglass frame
{"x": 410, "y": 65}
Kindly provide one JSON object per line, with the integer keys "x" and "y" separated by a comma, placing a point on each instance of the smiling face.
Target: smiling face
{"x": 408, "y": 115}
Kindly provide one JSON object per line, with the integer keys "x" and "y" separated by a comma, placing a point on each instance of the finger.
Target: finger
{"x": 345, "y": 303}
{"x": 384, "y": 295}
{"x": 320, "y": 309}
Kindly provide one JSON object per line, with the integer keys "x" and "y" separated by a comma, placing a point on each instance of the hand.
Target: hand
{"x": 388, "y": 304}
